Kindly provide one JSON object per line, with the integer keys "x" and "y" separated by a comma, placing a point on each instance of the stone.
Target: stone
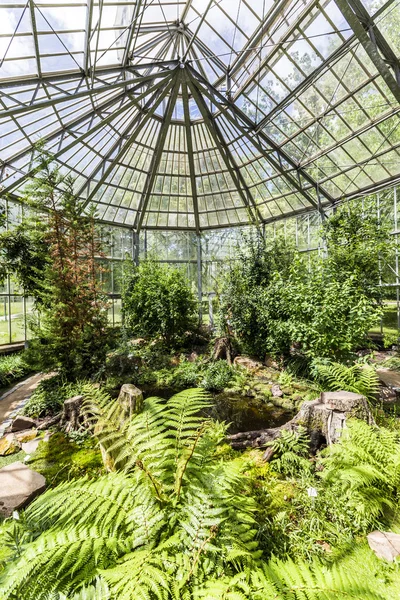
{"x": 389, "y": 378}
{"x": 138, "y": 342}
{"x": 26, "y": 436}
{"x": 20, "y": 423}
{"x": 270, "y": 362}
{"x": 9, "y": 445}
{"x": 385, "y": 544}
{"x": 31, "y": 446}
{"x": 276, "y": 391}
{"x": 18, "y": 486}
{"x": 251, "y": 364}
{"x": 130, "y": 399}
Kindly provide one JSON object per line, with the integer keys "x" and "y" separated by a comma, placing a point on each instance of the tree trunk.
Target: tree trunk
{"x": 72, "y": 419}
{"x": 223, "y": 349}
{"x": 323, "y": 418}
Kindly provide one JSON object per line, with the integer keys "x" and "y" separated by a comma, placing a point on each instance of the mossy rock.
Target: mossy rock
{"x": 60, "y": 459}
{"x": 288, "y": 391}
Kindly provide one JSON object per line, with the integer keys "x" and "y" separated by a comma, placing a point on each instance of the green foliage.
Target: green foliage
{"x": 392, "y": 363}
{"x": 49, "y": 397}
{"x": 12, "y": 367}
{"x": 279, "y": 302}
{"x": 172, "y": 520}
{"x": 360, "y": 379}
{"x": 217, "y": 376}
{"x": 157, "y": 301}
{"x": 364, "y": 467}
{"x": 291, "y": 450}
{"x": 71, "y": 334}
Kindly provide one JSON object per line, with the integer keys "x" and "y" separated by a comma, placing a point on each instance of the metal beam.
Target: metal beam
{"x": 252, "y": 46}
{"x": 137, "y": 83}
{"x": 374, "y": 43}
{"x": 80, "y": 138}
{"x": 189, "y": 147}
{"x": 131, "y": 30}
{"x": 227, "y": 157}
{"x": 139, "y": 122}
{"x": 259, "y": 139}
{"x": 88, "y": 30}
{"x": 155, "y": 161}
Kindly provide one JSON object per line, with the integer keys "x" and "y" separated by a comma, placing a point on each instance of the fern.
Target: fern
{"x": 365, "y": 465}
{"x": 173, "y": 523}
{"x": 360, "y": 379}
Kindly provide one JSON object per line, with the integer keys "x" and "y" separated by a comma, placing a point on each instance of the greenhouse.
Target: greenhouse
{"x": 199, "y": 300}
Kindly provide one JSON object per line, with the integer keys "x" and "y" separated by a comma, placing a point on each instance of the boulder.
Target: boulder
{"x": 26, "y": 436}
{"x": 9, "y": 445}
{"x": 20, "y": 423}
{"x": 18, "y": 486}
{"x": 31, "y": 446}
{"x": 276, "y": 391}
{"x": 385, "y": 544}
{"x": 130, "y": 399}
{"x": 251, "y": 364}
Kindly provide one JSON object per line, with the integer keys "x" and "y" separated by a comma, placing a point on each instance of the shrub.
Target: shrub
{"x": 217, "y": 376}
{"x": 49, "y": 397}
{"x": 278, "y": 302}
{"x": 157, "y": 301}
{"x": 12, "y": 367}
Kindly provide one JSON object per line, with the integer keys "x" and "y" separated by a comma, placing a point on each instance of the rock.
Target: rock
{"x": 385, "y": 544}
{"x": 270, "y": 362}
{"x": 9, "y": 445}
{"x": 276, "y": 391}
{"x": 138, "y": 342}
{"x": 31, "y": 446}
{"x": 389, "y": 378}
{"x": 26, "y": 436}
{"x": 130, "y": 399}
{"x": 20, "y": 423}
{"x": 251, "y": 364}
{"x": 18, "y": 486}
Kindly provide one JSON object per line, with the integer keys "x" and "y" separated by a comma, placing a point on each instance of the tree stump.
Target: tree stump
{"x": 72, "y": 419}
{"x": 130, "y": 399}
{"x": 323, "y": 418}
{"x": 223, "y": 349}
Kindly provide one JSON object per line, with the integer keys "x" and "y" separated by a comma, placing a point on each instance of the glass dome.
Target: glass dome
{"x": 201, "y": 114}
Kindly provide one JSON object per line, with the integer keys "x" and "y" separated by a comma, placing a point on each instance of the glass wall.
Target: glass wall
{"x": 202, "y": 260}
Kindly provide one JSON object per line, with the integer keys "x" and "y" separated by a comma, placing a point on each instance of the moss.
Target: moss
{"x": 11, "y": 458}
{"x": 60, "y": 460}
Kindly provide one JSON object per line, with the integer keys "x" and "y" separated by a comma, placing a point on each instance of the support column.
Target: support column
{"x": 199, "y": 278}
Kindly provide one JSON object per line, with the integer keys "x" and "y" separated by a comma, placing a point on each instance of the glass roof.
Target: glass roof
{"x": 199, "y": 114}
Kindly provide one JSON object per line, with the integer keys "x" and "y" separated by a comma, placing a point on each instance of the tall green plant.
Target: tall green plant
{"x": 157, "y": 301}
{"x": 73, "y": 310}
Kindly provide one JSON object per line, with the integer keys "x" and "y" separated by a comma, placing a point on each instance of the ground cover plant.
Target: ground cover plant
{"x": 12, "y": 368}
{"x": 183, "y": 516}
